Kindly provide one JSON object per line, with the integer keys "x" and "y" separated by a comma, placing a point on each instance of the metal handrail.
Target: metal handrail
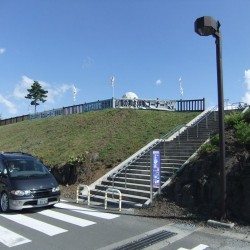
{"x": 170, "y": 133}
{"x": 197, "y": 122}
{"x": 234, "y": 106}
{"x": 163, "y": 138}
{"x": 204, "y": 117}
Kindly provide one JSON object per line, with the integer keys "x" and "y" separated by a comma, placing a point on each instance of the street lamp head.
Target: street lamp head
{"x": 206, "y": 26}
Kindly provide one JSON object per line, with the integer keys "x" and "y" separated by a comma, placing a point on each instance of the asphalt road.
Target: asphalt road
{"x": 71, "y": 226}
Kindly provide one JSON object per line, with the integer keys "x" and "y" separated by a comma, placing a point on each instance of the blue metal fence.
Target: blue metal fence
{"x": 151, "y": 104}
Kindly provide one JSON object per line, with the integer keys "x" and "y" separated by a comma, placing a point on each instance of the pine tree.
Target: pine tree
{"x": 36, "y": 93}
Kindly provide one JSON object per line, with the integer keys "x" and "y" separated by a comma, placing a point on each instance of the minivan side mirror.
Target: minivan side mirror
{"x": 49, "y": 168}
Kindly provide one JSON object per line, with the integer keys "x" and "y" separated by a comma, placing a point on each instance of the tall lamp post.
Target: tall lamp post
{"x": 206, "y": 26}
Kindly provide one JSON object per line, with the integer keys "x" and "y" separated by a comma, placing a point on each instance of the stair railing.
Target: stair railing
{"x": 125, "y": 166}
{"x": 206, "y": 116}
{"x": 163, "y": 138}
{"x": 235, "y": 106}
{"x": 197, "y": 123}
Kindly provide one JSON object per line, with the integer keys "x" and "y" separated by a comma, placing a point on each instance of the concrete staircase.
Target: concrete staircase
{"x": 133, "y": 177}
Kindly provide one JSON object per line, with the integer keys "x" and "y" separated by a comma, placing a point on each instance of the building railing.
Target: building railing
{"x": 190, "y": 105}
{"x": 150, "y": 104}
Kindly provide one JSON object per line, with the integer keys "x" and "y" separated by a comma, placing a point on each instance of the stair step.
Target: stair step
{"x": 130, "y": 180}
{"x": 175, "y": 159}
{"x": 145, "y": 172}
{"x": 128, "y": 185}
{"x": 136, "y": 176}
{"x": 125, "y": 197}
{"x": 166, "y": 157}
{"x": 164, "y": 167}
{"x": 126, "y": 191}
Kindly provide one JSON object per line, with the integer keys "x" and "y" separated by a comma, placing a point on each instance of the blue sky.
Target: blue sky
{"x": 148, "y": 45}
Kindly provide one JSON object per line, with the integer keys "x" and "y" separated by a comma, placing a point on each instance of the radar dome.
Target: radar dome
{"x": 130, "y": 95}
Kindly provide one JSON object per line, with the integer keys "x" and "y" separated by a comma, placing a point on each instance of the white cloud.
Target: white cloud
{"x": 57, "y": 91}
{"x": 2, "y": 50}
{"x": 54, "y": 92}
{"x": 20, "y": 90}
{"x": 246, "y": 97}
{"x": 247, "y": 78}
{"x": 158, "y": 82}
{"x": 11, "y": 107}
{"x": 17, "y": 101}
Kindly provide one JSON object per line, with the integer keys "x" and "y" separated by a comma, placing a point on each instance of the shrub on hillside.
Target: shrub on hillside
{"x": 233, "y": 119}
{"x": 242, "y": 132}
{"x": 246, "y": 116}
{"x": 211, "y": 146}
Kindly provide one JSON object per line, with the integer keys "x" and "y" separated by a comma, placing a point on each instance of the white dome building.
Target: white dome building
{"x": 130, "y": 96}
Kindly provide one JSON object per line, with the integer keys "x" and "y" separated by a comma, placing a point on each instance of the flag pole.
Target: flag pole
{"x": 181, "y": 88}
{"x": 181, "y": 94}
{"x": 113, "y": 85}
{"x": 74, "y": 90}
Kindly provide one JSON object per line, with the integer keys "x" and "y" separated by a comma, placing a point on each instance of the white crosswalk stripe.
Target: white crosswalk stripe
{"x": 87, "y": 211}
{"x": 34, "y": 224}
{"x": 67, "y": 218}
{"x": 11, "y": 239}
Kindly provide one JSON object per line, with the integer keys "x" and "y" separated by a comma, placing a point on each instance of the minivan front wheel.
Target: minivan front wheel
{"x": 4, "y": 202}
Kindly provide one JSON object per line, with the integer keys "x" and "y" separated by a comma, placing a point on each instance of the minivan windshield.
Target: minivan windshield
{"x": 26, "y": 168}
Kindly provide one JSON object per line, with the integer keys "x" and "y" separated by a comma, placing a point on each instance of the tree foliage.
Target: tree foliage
{"x": 36, "y": 93}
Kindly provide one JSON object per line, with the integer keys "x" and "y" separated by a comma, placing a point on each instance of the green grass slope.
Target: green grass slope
{"x": 112, "y": 134}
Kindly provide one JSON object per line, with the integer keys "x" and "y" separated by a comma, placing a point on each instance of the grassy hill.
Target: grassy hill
{"x": 112, "y": 134}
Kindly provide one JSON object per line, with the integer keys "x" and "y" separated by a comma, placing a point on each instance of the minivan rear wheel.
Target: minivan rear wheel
{"x": 4, "y": 202}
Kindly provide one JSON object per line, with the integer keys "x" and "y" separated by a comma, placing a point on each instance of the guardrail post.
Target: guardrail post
{"x": 112, "y": 190}
{"x": 105, "y": 200}
{"x": 77, "y": 193}
{"x": 120, "y": 203}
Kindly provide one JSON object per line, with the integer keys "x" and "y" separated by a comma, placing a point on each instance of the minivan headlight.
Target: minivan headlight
{"x": 55, "y": 189}
{"x": 20, "y": 192}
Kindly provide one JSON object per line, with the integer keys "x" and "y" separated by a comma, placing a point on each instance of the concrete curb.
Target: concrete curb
{"x": 220, "y": 224}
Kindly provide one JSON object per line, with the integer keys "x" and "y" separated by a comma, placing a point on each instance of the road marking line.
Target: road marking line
{"x": 199, "y": 247}
{"x": 11, "y": 239}
{"x": 34, "y": 224}
{"x": 87, "y": 211}
{"x": 67, "y": 218}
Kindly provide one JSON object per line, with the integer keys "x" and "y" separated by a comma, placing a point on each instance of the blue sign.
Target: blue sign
{"x": 156, "y": 169}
